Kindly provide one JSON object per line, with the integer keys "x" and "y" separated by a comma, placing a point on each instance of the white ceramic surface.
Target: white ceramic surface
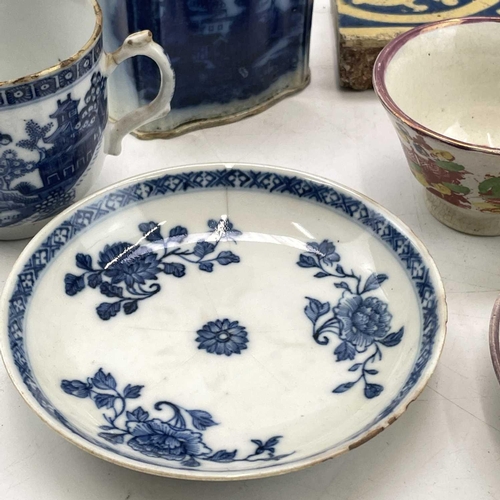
{"x": 439, "y": 83}
{"x": 447, "y": 80}
{"x": 445, "y": 446}
{"x": 264, "y": 319}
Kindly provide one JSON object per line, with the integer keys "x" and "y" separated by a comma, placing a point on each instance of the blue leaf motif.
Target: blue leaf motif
{"x": 315, "y": 309}
{"x": 203, "y": 248}
{"x": 342, "y": 285}
{"x": 132, "y": 391}
{"x": 138, "y": 415}
{"x": 393, "y": 339}
{"x": 374, "y": 281}
{"x": 107, "y": 310}
{"x": 103, "y": 381}
{"x": 84, "y": 261}
{"x": 226, "y": 257}
{"x": 343, "y": 387}
{"x": 151, "y": 230}
{"x": 112, "y": 438}
{"x": 130, "y": 307}
{"x": 373, "y": 390}
{"x": 201, "y": 419}
{"x": 355, "y": 367}
{"x": 321, "y": 275}
{"x": 110, "y": 290}
{"x": 76, "y": 388}
{"x": 212, "y": 224}
{"x": 206, "y": 266}
{"x": 268, "y": 445}
{"x": 223, "y": 456}
{"x": 104, "y": 400}
{"x": 94, "y": 280}
{"x": 73, "y": 284}
{"x": 307, "y": 261}
{"x": 178, "y": 233}
{"x": 176, "y": 269}
{"x": 345, "y": 350}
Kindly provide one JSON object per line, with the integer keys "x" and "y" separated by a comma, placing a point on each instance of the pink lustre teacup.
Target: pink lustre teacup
{"x": 440, "y": 85}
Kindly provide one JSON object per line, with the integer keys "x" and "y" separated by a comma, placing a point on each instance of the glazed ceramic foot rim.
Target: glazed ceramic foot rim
{"x": 461, "y": 219}
{"x": 247, "y": 285}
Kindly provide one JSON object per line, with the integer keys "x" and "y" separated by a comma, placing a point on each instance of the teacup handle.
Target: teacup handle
{"x": 139, "y": 44}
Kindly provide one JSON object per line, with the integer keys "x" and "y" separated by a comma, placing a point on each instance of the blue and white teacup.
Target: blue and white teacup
{"x": 54, "y": 130}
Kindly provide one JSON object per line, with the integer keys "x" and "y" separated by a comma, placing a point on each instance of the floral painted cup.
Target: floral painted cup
{"x": 439, "y": 83}
{"x": 54, "y": 130}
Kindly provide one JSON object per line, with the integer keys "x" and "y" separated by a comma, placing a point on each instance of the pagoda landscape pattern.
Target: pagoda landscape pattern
{"x": 66, "y": 145}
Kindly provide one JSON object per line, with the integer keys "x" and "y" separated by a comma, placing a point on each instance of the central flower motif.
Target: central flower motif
{"x": 159, "y": 439}
{"x": 121, "y": 263}
{"x": 222, "y": 337}
{"x": 363, "y": 320}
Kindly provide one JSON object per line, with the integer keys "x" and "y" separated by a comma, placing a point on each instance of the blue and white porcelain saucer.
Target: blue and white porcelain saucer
{"x": 222, "y": 321}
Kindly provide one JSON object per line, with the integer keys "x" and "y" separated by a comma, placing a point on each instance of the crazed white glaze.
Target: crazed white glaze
{"x": 268, "y": 256}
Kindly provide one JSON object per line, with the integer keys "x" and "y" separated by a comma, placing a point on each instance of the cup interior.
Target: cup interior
{"x": 36, "y": 35}
{"x": 448, "y": 80}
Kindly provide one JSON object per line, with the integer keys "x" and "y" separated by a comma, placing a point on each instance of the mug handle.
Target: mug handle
{"x": 139, "y": 44}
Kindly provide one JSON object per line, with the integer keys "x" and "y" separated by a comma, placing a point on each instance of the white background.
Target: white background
{"x": 447, "y": 445}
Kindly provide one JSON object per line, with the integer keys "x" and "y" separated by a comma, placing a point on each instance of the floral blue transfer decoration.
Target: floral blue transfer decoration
{"x": 180, "y": 438}
{"x": 128, "y": 273}
{"x": 222, "y": 337}
{"x": 360, "y": 321}
{"x": 247, "y": 179}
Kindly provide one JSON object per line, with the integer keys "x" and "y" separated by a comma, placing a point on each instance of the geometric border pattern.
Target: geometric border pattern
{"x": 198, "y": 180}
{"x": 43, "y": 87}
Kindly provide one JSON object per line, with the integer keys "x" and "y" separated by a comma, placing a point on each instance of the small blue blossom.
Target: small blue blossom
{"x": 222, "y": 337}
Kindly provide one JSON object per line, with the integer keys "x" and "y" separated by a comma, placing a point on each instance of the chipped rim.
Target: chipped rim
{"x": 384, "y": 59}
{"x": 348, "y": 445}
{"x": 494, "y": 337}
{"x": 70, "y": 60}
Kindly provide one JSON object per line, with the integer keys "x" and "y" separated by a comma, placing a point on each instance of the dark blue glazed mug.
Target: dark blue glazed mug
{"x": 54, "y": 130}
{"x": 232, "y": 58}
